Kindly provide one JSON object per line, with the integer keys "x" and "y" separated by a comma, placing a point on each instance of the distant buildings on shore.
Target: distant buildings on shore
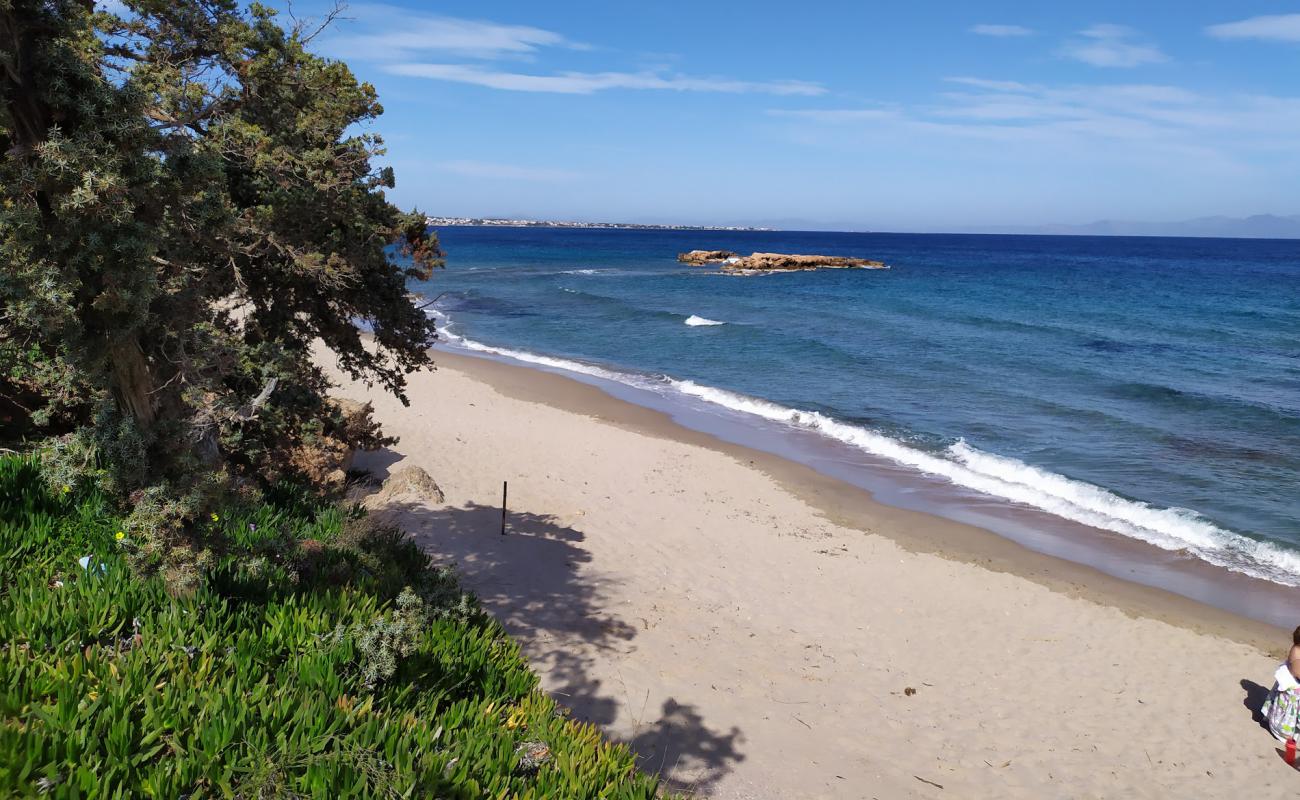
{"x": 490, "y": 222}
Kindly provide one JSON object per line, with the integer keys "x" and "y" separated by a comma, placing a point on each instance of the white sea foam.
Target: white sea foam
{"x": 1173, "y": 529}
{"x": 1168, "y": 528}
{"x": 582, "y": 271}
{"x": 444, "y": 330}
{"x": 696, "y": 322}
{"x": 444, "y": 323}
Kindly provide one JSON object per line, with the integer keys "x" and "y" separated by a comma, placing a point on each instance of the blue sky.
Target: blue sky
{"x": 885, "y": 116}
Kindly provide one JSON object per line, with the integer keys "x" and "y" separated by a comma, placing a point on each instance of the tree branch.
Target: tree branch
{"x": 249, "y": 410}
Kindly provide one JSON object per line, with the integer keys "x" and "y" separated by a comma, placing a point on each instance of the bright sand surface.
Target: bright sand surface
{"x": 752, "y": 628}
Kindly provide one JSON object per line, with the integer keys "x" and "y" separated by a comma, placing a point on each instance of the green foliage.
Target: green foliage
{"x": 386, "y": 639}
{"x": 186, "y": 206}
{"x": 295, "y": 668}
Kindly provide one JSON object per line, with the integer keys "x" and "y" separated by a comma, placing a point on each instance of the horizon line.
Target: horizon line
{"x": 981, "y": 230}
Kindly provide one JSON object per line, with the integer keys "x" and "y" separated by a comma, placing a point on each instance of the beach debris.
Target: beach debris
{"x": 932, "y": 783}
{"x": 46, "y": 784}
{"x": 909, "y": 691}
{"x": 533, "y": 755}
{"x": 91, "y": 566}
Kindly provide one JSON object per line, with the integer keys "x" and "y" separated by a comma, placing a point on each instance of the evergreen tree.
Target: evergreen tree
{"x": 187, "y": 203}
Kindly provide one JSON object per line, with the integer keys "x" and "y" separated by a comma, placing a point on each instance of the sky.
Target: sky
{"x": 854, "y": 115}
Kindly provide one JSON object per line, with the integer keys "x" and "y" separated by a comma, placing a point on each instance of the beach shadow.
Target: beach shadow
{"x": 686, "y": 754}
{"x": 532, "y": 579}
{"x": 1254, "y": 701}
{"x": 378, "y": 463}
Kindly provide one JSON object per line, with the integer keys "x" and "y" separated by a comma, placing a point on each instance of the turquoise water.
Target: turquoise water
{"x": 1148, "y": 387}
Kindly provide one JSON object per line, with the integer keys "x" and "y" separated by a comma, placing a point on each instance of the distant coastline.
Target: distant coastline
{"x": 493, "y": 222}
{"x": 1259, "y": 226}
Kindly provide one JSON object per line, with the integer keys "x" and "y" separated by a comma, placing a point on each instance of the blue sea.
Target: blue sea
{"x": 1148, "y": 387}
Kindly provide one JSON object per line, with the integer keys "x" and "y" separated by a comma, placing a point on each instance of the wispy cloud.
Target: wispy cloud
{"x": 591, "y": 82}
{"x": 837, "y": 114}
{"x": 1273, "y": 28}
{"x": 412, "y": 44}
{"x": 984, "y": 83}
{"x": 376, "y": 32}
{"x": 511, "y": 172}
{"x": 1112, "y": 46}
{"x": 1001, "y": 30}
{"x": 1117, "y": 120}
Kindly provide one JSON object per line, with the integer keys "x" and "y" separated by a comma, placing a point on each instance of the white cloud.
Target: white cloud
{"x": 1112, "y": 46}
{"x": 375, "y": 32}
{"x": 591, "y": 82}
{"x": 1001, "y": 30}
{"x": 1274, "y": 28}
{"x": 512, "y": 172}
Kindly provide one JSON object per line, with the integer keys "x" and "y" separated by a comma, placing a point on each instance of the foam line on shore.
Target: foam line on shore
{"x": 1171, "y": 529}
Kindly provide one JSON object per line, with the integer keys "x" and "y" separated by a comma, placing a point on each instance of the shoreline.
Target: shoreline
{"x": 750, "y": 626}
{"x": 916, "y": 529}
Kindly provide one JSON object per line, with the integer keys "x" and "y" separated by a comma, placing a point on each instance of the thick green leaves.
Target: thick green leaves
{"x": 111, "y": 687}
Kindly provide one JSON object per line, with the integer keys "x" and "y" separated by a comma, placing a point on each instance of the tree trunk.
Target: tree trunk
{"x": 132, "y": 384}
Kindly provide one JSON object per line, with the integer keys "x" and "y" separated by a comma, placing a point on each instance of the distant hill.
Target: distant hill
{"x": 1260, "y": 226}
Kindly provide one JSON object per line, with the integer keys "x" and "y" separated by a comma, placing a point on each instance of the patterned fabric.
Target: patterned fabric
{"x": 1282, "y": 708}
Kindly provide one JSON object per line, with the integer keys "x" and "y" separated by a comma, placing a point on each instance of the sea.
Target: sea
{"x": 1143, "y": 389}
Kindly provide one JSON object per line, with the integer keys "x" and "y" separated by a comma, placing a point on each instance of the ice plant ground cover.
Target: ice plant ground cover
{"x": 319, "y": 656}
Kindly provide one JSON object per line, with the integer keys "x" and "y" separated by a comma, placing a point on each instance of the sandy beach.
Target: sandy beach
{"x": 756, "y": 630}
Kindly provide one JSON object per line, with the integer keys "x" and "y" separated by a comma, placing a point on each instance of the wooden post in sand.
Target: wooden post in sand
{"x": 504, "y": 487}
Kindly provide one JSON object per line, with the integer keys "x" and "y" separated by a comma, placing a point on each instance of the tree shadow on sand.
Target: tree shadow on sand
{"x": 531, "y": 579}
{"x": 686, "y": 754}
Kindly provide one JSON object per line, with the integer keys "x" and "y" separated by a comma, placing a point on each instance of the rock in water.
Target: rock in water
{"x": 760, "y": 263}
{"x": 763, "y": 263}
{"x": 698, "y": 258}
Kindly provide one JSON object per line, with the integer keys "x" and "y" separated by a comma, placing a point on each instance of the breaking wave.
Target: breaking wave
{"x": 1173, "y": 529}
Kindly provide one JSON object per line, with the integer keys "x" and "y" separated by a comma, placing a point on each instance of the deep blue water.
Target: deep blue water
{"x": 1147, "y": 386}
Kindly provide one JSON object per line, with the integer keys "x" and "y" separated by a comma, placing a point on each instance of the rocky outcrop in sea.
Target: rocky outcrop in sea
{"x": 766, "y": 263}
